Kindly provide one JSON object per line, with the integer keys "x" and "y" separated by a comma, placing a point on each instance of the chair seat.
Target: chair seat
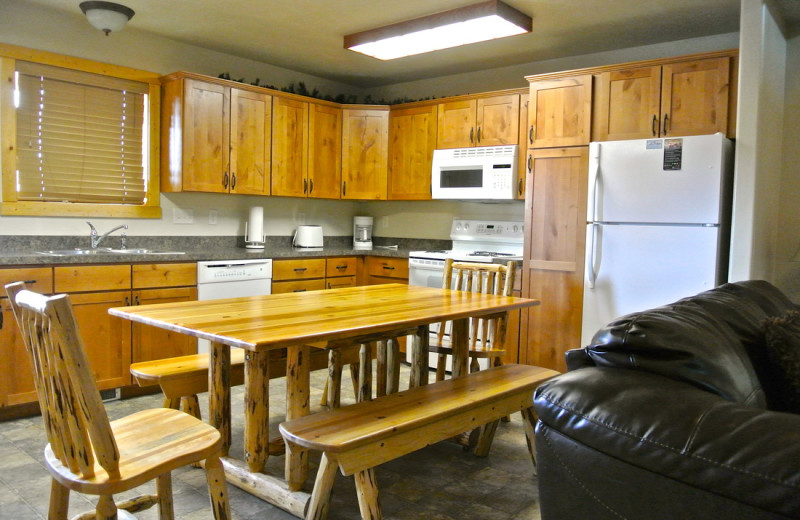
{"x": 143, "y": 439}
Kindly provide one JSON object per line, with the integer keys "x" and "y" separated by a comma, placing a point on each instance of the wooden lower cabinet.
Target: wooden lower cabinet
{"x": 380, "y": 270}
{"x": 553, "y": 257}
{"x": 340, "y": 272}
{"x": 111, "y": 343}
{"x": 313, "y": 274}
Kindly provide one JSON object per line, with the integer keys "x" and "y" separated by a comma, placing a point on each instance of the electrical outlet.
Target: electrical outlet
{"x": 182, "y": 216}
{"x": 212, "y": 216}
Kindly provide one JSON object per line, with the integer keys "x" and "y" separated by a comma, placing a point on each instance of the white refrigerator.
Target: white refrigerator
{"x": 657, "y": 228}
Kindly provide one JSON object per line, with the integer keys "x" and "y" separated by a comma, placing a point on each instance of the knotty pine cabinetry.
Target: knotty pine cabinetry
{"x": 324, "y": 151}
{"x": 215, "y": 138}
{"x": 378, "y": 270}
{"x": 289, "y": 147}
{"x": 478, "y": 121}
{"x": 313, "y": 274}
{"x": 677, "y": 99}
{"x": 111, "y": 343}
{"x": 365, "y": 149}
{"x": 412, "y": 139}
{"x": 559, "y": 112}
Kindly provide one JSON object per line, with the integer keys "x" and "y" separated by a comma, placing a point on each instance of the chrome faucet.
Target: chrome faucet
{"x": 96, "y": 239}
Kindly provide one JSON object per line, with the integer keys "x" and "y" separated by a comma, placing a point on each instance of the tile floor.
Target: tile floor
{"x": 440, "y": 482}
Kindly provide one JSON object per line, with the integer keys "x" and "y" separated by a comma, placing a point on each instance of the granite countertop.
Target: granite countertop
{"x": 22, "y": 250}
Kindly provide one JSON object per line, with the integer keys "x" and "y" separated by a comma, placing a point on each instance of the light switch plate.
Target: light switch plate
{"x": 212, "y": 216}
{"x": 182, "y": 216}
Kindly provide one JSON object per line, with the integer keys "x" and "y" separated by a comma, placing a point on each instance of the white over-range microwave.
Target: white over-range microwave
{"x": 483, "y": 173}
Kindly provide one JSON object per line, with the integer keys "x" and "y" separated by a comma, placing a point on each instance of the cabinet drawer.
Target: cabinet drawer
{"x": 92, "y": 278}
{"x": 298, "y": 286}
{"x": 337, "y": 282}
{"x": 298, "y": 269}
{"x": 164, "y": 275}
{"x": 387, "y": 267}
{"x": 341, "y": 266}
{"x": 39, "y": 279}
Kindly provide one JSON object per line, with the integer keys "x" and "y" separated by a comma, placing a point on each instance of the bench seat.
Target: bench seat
{"x": 355, "y": 439}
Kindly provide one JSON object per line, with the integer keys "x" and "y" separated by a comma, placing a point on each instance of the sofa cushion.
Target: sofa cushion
{"x": 682, "y": 341}
{"x": 782, "y": 346}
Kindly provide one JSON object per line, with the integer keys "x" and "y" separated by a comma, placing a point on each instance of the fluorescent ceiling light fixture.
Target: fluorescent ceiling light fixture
{"x": 470, "y": 24}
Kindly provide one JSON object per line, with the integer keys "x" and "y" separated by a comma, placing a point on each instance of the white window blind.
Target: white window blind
{"x": 81, "y": 137}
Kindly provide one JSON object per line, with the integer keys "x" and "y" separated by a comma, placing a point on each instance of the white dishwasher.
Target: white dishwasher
{"x": 232, "y": 279}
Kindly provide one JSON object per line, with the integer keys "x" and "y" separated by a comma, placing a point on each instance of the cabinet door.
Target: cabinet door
{"x": 150, "y": 343}
{"x": 456, "y": 124}
{"x": 289, "y": 146}
{"x": 694, "y": 97}
{"x": 627, "y": 104}
{"x": 365, "y": 146}
{"x": 251, "y": 126}
{"x": 107, "y": 339}
{"x": 386, "y": 270}
{"x": 559, "y": 112}
{"x": 555, "y": 216}
{"x": 412, "y": 139}
{"x": 298, "y": 269}
{"x": 498, "y": 120}
{"x": 16, "y": 368}
{"x": 325, "y": 151}
{"x": 298, "y": 286}
{"x": 205, "y": 130}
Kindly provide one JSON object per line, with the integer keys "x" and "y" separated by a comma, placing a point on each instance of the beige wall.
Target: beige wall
{"x": 25, "y": 24}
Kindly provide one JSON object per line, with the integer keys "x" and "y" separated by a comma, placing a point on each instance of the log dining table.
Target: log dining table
{"x": 299, "y": 322}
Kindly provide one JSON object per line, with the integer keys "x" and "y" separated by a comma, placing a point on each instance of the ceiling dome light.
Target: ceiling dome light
{"x": 106, "y": 16}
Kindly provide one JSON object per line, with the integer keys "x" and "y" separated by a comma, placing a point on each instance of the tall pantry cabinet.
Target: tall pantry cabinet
{"x": 681, "y": 96}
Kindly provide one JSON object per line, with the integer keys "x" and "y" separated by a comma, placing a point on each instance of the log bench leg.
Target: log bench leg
{"x": 529, "y": 422}
{"x": 367, "y": 491}
{"x": 320, "y": 502}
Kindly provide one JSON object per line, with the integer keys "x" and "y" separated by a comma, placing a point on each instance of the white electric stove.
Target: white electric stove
{"x": 479, "y": 241}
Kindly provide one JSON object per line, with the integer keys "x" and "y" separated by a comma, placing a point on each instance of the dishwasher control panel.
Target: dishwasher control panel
{"x": 233, "y": 270}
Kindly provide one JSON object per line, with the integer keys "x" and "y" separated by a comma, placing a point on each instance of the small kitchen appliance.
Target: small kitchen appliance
{"x": 480, "y": 173}
{"x": 254, "y": 237}
{"x": 362, "y": 232}
{"x": 308, "y": 237}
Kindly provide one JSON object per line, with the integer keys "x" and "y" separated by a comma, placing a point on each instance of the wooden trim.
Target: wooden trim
{"x": 632, "y": 64}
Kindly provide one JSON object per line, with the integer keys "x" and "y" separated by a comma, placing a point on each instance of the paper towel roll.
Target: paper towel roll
{"x": 255, "y": 225}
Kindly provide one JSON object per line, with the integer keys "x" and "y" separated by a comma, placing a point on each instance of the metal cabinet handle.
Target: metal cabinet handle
{"x": 344, "y": 188}
{"x": 305, "y": 186}
{"x": 654, "y": 125}
{"x": 300, "y": 269}
{"x": 299, "y": 290}
{"x": 225, "y": 180}
{"x": 530, "y": 163}
{"x": 472, "y": 135}
{"x": 530, "y": 134}
{"x": 310, "y": 186}
{"x": 519, "y": 188}
{"x": 341, "y": 267}
{"x": 136, "y": 300}
{"x": 233, "y": 180}
{"x": 666, "y": 122}
{"x": 127, "y": 301}
{"x": 479, "y": 134}
{"x": 388, "y": 267}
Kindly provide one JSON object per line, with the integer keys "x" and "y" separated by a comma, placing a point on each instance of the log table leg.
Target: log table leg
{"x": 381, "y": 368}
{"x": 459, "y": 337}
{"x": 419, "y": 357}
{"x": 219, "y": 394}
{"x": 364, "y": 373}
{"x": 393, "y": 366}
{"x": 256, "y": 410}
{"x": 297, "y": 399}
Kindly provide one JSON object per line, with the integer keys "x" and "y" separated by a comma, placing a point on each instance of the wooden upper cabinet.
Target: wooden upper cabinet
{"x": 497, "y": 120}
{"x": 289, "y": 147}
{"x": 324, "y": 151}
{"x": 214, "y": 138}
{"x": 412, "y": 139}
{"x": 559, "y": 112}
{"x": 365, "y": 144}
{"x": 627, "y": 104}
{"x": 483, "y": 121}
{"x": 694, "y": 97}
{"x": 456, "y": 128}
{"x": 206, "y": 110}
{"x": 677, "y": 99}
{"x": 250, "y": 137}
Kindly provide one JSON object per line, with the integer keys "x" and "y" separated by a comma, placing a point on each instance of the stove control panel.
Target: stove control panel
{"x": 492, "y": 230}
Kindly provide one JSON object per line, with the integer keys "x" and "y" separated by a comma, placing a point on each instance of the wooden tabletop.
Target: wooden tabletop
{"x": 317, "y": 317}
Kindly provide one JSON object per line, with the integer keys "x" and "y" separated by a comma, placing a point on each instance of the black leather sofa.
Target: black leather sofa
{"x": 680, "y": 412}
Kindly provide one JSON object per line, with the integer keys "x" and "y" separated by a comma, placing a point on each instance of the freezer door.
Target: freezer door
{"x": 628, "y": 181}
{"x": 637, "y": 267}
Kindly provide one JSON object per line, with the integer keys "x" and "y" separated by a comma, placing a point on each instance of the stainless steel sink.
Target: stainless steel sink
{"x": 107, "y": 251}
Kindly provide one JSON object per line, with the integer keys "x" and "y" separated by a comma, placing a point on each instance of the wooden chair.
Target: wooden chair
{"x": 87, "y": 452}
{"x": 486, "y": 336}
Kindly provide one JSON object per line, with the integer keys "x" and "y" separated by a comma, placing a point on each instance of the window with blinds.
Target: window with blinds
{"x": 81, "y": 137}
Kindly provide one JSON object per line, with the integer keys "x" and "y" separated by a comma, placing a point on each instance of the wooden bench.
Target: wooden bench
{"x": 182, "y": 378}
{"x": 357, "y": 438}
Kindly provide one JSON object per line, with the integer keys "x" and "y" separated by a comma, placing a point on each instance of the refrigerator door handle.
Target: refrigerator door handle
{"x": 591, "y": 249}
{"x": 594, "y": 181}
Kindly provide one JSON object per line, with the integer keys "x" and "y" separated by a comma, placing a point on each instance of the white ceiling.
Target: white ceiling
{"x": 306, "y": 35}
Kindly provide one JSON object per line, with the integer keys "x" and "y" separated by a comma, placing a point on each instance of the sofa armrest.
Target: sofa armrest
{"x": 682, "y": 432}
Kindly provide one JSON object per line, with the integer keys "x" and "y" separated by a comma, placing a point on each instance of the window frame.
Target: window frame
{"x": 10, "y": 205}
